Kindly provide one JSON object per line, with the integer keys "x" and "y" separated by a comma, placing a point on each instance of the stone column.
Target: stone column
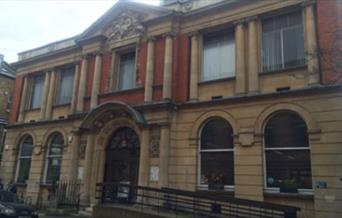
{"x": 253, "y": 67}
{"x": 23, "y": 101}
{"x": 45, "y": 95}
{"x": 96, "y": 81}
{"x": 74, "y": 90}
{"x": 113, "y": 72}
{"x": 240, "y": 83}
{"x": 51, "y": 95}
{"x": 311, "y": 44}
{"x": 144, "y": 165}
{"x": 76, "y": 137}
{"x": 194, "y": 67}
{"x": 167, "y": 80}
{"x": 85, "y": 195}
{"x": 82, "y": 85}
{"x": 164, "y": 156}
{"x": 149, "y": 71}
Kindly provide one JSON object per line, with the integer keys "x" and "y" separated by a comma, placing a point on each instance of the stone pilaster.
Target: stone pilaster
{"x": 311, "y": 44}
{"x": 76, "y": 137}
{"x": 96, "y": 81}
{"x": 23, "y": 101}
{"x": 194, "y": 67}
{"x": 51, "y": 95}
{"x": 85, "y": 195}
{"x": 82, "y": 85}
{"x": 144, "y": 165}
{"x": 253, "y": 67}
{"x": 74, "y": 90}
{"x": 113, "y": 75}
{"x": 149, "y": 71}
{"x": 240, "y": 84}
{"x": 45, "y": 96}
{"x": 167, "y": 80}
{"x": 164, "y": 156}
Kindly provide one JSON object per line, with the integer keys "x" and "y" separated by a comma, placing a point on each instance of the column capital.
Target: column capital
{"x": 169, "y": 34}
{"x": 308, "y": 3}
{"x": 98, "y": 53}
{"x": 150, "y": 39}
{"x": 239, "y": 22}
{"x": 194, "y": 34}
{"x": 85, "y": 56}
{"x": 252, "y": 18}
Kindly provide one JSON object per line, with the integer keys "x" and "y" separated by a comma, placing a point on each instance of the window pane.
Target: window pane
{"x": 27, "y": 147}
{"x": 286, "y": 130}
{"x": 57, "y": 145}
{"x": 293, "y": 46}
{"x": 217, "y": 134}
{"x": 282, "y": 42}
{"x": 24, "y": 170}
{"x": 37, "y": 91}
{"x": 126, "y": 74}
{"x": 66, "y": 86}
{"x": 284, "y": 166}
{"x": 217, "y": 168}
{"x": 53, "y": 171}
{"x": 218, "y": 56}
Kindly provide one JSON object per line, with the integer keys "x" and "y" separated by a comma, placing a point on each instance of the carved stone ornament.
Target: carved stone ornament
{"x": 154, "y": 149}
{"x": 126, "y": 25}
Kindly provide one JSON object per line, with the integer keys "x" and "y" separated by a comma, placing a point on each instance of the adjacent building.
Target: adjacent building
{"x": 7, "y": 78}
{"x": 188, "y": 95}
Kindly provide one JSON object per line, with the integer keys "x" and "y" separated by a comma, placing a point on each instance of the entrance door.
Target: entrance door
{"x": 122, "y": 157}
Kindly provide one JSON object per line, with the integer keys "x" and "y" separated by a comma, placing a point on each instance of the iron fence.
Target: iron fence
{"x": 190, "y": 203}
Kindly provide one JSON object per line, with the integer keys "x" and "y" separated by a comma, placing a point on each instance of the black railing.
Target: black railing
{"x": 68, "y": 194}
{"x": 190, "y": 203}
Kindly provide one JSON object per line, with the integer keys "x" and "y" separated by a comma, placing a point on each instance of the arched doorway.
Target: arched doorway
{"x": 122, "y": 157}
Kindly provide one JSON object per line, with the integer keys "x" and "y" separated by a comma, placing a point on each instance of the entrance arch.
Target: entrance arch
{"x": 122, "y": 157}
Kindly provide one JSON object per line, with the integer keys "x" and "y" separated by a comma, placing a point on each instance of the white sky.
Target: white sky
{"x": 27, "y": 24}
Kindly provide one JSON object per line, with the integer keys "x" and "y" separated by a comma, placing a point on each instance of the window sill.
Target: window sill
{"x": 33, "y": 109}
{"x": 225, "y": 193}
{"x": 120, "y": 92}
{"x": 47, "y": 185}
{"x": 21, "y": 185}
{"x": 300, "y": 67}
{"x": 227, "y": 188}
{"x": 216, "y": 80}
{"x": 300, "y": 195}
{"x": 62, "y": 105}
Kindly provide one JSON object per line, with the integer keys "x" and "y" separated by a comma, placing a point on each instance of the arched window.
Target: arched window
{"x": 287, "y": 154}
{"x": 24, "y": 159}
{"x": 216, "y": 158}
{"x": 54, "y": 157}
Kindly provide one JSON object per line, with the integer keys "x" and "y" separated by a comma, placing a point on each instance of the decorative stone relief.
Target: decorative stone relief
{"x": 154, "y": 143}
{"x": 82, "y": 150}
{"x": 126, "y": 25}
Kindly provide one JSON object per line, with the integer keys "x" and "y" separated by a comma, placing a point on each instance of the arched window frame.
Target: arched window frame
{"x": 48, "y": 156}
{"x": 200, "y": 151}
{"x": 21, "y": 157}
{"x": 265, "y": 149}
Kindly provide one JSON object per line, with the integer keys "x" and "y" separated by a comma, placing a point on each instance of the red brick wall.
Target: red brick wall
{"x": 131, "y": 97}
{"x": 90, "y": 75}
{"x": 16, "y": 99}
{"x": 329, "y": 25}
{"x": 142, "y": 58}
{"x": 180, "y": 79}
{"x": 106, "y": 62}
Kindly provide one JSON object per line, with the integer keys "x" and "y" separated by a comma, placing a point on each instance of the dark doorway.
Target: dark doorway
{"x": 122, "y": 157}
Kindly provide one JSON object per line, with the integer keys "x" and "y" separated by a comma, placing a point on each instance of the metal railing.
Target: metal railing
{"x": 167, "y": 200}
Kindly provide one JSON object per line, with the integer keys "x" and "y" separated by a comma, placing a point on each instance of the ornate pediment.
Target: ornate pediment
{"x": 126, "y": 25}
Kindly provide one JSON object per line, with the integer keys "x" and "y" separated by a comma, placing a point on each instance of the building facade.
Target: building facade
{"x": 7, "y": 78}
{"x": 232, "y": 97}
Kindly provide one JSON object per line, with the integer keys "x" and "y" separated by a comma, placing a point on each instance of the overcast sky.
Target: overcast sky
{"x": 26, "y": 24}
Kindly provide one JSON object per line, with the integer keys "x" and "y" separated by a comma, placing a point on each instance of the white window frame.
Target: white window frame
{"x": 120, "y": 54}
{"x": 22, "y": 157}
{"x": 62, "y": 72}
{"x": 276, "y": 190}
{"x": 32, "y": 92}
{"x": 48, "y": 156}
{"x": 199, "y": 153}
